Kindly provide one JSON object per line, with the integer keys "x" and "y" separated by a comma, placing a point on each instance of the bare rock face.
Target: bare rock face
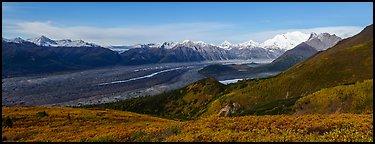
{"x": 229, "y": 109}
{"x": 322, "y": 41}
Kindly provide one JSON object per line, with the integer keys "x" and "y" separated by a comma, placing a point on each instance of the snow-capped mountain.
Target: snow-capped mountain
{"x": 273, "y": 48}
{"x": 168, "y": 45}
{"x": 207, "y": 51}
{"x": 42, "y": 41}
{"x": 285, "y": 41}
{"x": 282, "y": 41}
{"x": 15, "y": 40}
{"x": 225, "y": 45}
{"x": 249, "y": 44}
{"x": 188, "y": 50}
{"x": 193, "y": 44}
{"x": 315, "y": 43}
{"x": 45, "y": 41}
{"x": 322, "y": 41}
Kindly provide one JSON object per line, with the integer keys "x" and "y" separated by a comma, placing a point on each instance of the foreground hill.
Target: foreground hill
{"x": 183, "y": 104}
{"x": 70, "y": 124}
{"x": 355, "y": 98}
{"x": 57, "y": 124}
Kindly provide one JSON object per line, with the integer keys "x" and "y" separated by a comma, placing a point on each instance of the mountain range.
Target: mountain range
{"x": 198, "y": 50}
{"x": 69, "y": 54}
{"x": 314, "y": 44}
{"x": 21, "y": 57}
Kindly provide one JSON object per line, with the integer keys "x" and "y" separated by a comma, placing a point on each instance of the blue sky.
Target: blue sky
{"x": 131, "y": 23}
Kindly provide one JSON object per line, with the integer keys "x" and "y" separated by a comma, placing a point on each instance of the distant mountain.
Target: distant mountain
{"x": 185, "y": 51}
{"x": 322, "y": 41}
{"x": 299, "y": 53}
{"x": 270, "y": 49}
{"x": 303, "y": 51}
{"x": 159, "y": 55}
{"x": 285, "y": 41}
{"x": 196, "y": 51}
{"x": 45, "y": 41}
{"x": 20, "y": 57}
{"x": 119, "y": 49}
{"x": 282, "y": 41}
{"x": 291, "y": 57}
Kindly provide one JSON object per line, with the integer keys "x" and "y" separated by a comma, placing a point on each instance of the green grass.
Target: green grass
{"x": 355, "y": 98}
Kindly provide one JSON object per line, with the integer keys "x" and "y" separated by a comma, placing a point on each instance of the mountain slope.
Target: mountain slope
{"x": 45, "y": 41}
{"x": 188, "y": 51}
{"x": 20, "y": 58}
{"x": 301, "y": 52}
{"x": 291, "y": 57}
{"x": 23, "y": 58}
{"x": 354, "y": 98}
{"x": 322, "y": 41}
{"x": 285, "y": 41}
{"x": 183, "y": 104}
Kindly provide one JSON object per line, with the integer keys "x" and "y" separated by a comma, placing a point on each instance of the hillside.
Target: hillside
{"x": 354, "y": 98}
{"x": 69, "y": 124}
{"x": 183, "y": 104}
{"x": 61, "y": 124}
{"x": 290, "y": 58}
{"x": 349, "y": 61}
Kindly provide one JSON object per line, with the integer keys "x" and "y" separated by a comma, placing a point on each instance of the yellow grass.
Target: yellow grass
{"x": 112, "y": 125}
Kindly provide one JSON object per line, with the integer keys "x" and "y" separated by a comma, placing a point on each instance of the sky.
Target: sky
{"x": 128, "y": 23}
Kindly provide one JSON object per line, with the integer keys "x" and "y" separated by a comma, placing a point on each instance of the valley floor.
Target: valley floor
{"x": 77, "y": 124}
{"x": 102, "y": 85}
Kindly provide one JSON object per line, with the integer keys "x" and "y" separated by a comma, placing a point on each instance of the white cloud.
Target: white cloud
{"x": 341, "y": 31}
{"x": 204, "y": 31}
{"x": 121, "y": 35}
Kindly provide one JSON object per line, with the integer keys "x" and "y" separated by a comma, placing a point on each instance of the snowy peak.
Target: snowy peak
{"x": 286, "y": 41}
{"x": 153, "y": 45}
{"x": 45, "y": 41}
{"x": 149, "y": 45}
{"x": 248, "y": 44}
{"x": 75, "y": 43}
{"x": 312, "y": 35}
{"x": 168, "y": 45}
{"x": 225, "y": 45}
{"x": 192, "y": 44}
{"x": 322, "y": 41}
{"x": 15, "y": 40}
